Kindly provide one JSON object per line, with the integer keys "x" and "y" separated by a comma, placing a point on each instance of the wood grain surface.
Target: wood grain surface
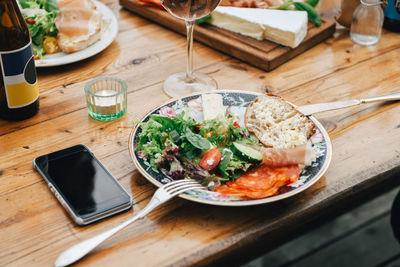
{"x": 34, "y": 229}
{"x": 260, "y": 53}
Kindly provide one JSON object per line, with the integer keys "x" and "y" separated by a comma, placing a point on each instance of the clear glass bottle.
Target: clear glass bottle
{"x": 367, "y": 22}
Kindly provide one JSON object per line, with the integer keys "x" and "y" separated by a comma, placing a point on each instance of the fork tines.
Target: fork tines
{"x": 180, "y": 186}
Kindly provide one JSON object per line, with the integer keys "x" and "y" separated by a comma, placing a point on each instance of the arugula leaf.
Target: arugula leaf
{"x": 167, "y": 123}
{"x": 225, "y": 159}
{"x": 196, "y": 140}
{"x": 51, "y": 5}
{"x": 192, "y": 154}
{"x": 174, "y": 136}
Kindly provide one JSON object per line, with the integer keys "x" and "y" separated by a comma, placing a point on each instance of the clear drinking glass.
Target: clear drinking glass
{"x": 188, "y": 82}
{"x": 106, "y": 98}
{"x": 367, "y": 22}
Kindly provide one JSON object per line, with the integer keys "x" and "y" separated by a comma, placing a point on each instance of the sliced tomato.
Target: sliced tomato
{"x": 211, "y": 159}
{"x": 50, "y": 45}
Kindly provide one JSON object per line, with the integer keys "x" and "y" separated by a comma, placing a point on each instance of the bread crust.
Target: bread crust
{"x": 250, "y": 109}
{"x": 72, "y": 35}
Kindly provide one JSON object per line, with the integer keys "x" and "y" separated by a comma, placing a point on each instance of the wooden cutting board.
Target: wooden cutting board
{"x": 260, "y": 53}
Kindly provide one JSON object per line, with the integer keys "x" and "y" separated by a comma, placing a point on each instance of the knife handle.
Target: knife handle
{"x": 388, "y": 97}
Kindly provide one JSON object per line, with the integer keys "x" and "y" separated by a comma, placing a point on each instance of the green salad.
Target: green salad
{"x": 40, "y": 16}
{"x": 212, "y": 152}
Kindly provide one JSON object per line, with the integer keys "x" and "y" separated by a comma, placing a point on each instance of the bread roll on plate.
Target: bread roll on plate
{"x": 78, "y": 28}
{"x": 277, "y": 123}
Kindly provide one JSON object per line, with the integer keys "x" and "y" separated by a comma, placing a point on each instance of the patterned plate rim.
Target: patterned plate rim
{"x": 285, "y": 195}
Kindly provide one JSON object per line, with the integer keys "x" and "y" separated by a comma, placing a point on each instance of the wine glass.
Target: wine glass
{"x": 188, "y": 82}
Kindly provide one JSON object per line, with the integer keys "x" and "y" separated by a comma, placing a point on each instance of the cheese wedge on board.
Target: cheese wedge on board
{"x": 281, "y": 26}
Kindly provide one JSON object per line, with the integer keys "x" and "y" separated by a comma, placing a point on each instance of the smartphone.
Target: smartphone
{"x": 83, "y": 186}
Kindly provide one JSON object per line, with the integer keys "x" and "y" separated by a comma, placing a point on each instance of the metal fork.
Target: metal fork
{"x": 162, "y": 194}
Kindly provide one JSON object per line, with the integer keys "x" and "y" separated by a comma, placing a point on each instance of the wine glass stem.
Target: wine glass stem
{"x": 189, "y": 36}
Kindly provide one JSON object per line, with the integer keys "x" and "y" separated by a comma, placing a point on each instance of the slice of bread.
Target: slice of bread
{"x": 277, "y": 123}
{"x": 78, "y": 28}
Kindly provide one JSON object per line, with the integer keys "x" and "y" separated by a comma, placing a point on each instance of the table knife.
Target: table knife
{"x": 314, "y": 108}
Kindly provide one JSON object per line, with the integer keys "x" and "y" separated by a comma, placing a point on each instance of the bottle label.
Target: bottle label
{"x": 19, "y": 76}
{"x": 392, "y": 10}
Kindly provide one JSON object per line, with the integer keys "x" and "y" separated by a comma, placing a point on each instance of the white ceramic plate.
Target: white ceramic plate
{"x": 238, "y": 100}
{"x": 107, "y": 37}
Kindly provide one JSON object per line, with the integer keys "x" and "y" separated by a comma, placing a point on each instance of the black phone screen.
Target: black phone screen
{"x": 84, "y": 183}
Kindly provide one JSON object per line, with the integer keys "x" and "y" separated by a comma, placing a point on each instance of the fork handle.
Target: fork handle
{"x": 79, "y": 250}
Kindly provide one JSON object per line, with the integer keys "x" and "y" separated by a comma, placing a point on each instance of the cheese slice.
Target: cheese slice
{"x": 283, "y": 27}
{"x": 212, "y": 106}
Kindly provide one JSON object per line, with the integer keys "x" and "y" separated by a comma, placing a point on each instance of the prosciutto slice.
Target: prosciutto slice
{"x": 78, "y": 28}
{"x": 302, "y": 155}
{"x": 262, "y": 182}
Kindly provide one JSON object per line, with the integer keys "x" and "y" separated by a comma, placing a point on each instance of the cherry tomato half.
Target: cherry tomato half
{"x": 30, "y": 21}
{"x": 211, "y": 159}
{"x": 50, "y": 45}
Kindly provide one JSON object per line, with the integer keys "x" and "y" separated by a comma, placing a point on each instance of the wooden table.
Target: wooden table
{"x": 34, "y": 229}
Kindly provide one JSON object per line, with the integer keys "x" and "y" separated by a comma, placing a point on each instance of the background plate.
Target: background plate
{"x": 239, "y": 100}
{"x": 107, "y": 37}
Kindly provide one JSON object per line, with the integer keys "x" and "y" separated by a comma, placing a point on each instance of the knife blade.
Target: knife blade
{"x": 314, "y": 108}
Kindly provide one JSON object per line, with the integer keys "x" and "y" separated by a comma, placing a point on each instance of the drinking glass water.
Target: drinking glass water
{"x": 187, "y": 82}
{"x": 367, "y": 23}
{"x": 106, "y": 98}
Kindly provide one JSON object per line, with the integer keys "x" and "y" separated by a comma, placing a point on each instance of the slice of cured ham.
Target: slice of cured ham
{"x": 78, "y": 28}
{"x": 276, "y": 157}
{"x": 262, "y": 182}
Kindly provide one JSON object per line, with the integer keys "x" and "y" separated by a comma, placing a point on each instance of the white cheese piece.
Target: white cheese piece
{"x": 283, "y": 27}
{"x": 212, "y": 106}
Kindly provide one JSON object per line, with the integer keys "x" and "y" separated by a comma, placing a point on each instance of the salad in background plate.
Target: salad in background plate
{"x": 64, "y": 26}
{"x": 40, "y": 17}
